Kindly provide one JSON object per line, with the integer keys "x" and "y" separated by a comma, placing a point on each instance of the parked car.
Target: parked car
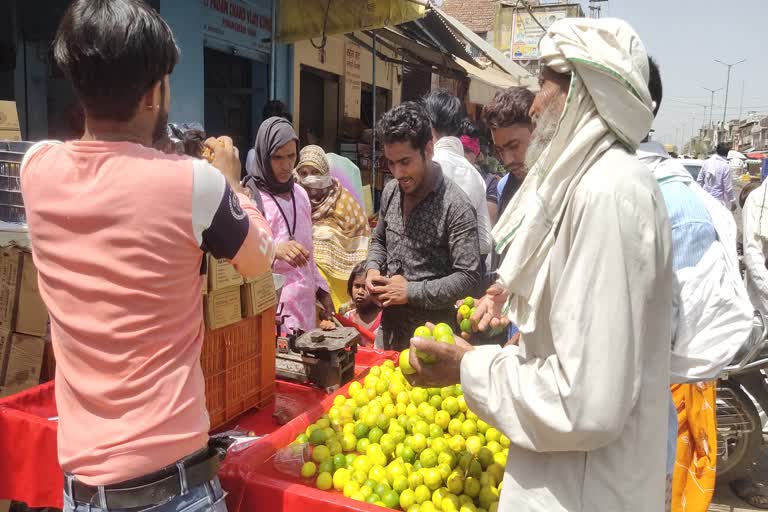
{"x": 692, "y": 166}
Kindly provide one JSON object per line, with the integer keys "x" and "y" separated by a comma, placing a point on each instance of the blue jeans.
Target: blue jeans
{"x": 207, "y": 497}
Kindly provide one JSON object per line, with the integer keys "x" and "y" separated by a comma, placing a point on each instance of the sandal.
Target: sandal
{"x": 756, "y": 494}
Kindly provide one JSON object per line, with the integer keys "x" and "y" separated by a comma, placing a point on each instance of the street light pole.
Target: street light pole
{"x": 728, "y": 82}
{"x": 711, "y": 101}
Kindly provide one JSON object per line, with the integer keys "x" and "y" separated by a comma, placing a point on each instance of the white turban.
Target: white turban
{"x": 608, "y": 102}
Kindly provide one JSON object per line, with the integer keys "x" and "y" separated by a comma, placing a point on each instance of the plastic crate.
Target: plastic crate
{"x": 238, "y": 363}
{"x": 11, "y": 203}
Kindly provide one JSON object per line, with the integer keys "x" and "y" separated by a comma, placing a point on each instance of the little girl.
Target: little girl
{"x": 365, "y": 313}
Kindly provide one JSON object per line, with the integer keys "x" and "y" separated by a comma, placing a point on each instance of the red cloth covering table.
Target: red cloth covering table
{"x": 28, "y": 460}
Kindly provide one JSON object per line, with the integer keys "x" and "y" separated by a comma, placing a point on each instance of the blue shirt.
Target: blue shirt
{"x": 692, "y": 229}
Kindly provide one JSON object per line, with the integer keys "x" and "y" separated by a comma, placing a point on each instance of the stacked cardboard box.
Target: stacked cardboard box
{"x": 230, "y": 298}
{"x": 23, "y": 322}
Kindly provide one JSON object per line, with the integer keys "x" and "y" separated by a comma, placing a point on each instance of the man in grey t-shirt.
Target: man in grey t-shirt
{"x": 425, "y": 253}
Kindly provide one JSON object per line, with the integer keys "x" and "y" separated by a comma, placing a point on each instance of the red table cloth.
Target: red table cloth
{"x": 29, "y": 463}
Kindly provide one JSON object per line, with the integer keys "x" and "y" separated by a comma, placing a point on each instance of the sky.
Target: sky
{"x": 685, "y": 36}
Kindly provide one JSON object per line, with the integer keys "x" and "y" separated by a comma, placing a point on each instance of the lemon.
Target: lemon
{"x": 405, "y": 362}
{"x": 472, "y": 487}
{"x": 422, "y": 494}
{"x": 407, "y": 499}
{"x": 320, "y": 453}
{"x": 468, "y": 428}
{"x": 341, "y": 478}
{"x": 450, "y": 503}
{"x": 308, "y": 470}
{"x": 455, "y": 483}
{"x": 469, "y": 302}
{"x": 324, "y": 481}
{"x": 433, "y": 479}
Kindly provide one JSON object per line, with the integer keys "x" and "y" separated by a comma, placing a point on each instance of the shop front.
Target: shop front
{"x": 223, "y": 79}
{"x": 225, "y": 75}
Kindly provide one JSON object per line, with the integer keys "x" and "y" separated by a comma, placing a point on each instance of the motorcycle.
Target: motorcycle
{"x": 739, "y": 427}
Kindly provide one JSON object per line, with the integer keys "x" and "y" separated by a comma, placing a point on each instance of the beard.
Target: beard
{"x": 546, "y": 127}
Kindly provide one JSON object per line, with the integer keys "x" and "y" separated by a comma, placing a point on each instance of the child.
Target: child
{"x": 365, "y": 313}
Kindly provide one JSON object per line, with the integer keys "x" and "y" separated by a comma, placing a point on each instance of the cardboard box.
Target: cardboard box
{"x": 222, "y": 307}
{"x": 21, "y": 307}
{"x": 32, "y": 315}
{"x": 24, "y": 361}
{"x": 5, "y": 350}
{"x": 258, "y": 295}
{"x": 221, "y": 274}
{"x": 9, "y": 121}
{"x": 10, "y": 276}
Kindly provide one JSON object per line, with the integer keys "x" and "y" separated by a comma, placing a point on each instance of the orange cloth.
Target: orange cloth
{"x": 693, "y": 482}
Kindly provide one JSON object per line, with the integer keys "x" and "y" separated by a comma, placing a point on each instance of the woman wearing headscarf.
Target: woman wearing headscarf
{"x": 270, "y": 182}
{"x": 341, "y": 233}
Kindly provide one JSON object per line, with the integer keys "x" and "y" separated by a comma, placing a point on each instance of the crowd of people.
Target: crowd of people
{"x": 597, "y": 263}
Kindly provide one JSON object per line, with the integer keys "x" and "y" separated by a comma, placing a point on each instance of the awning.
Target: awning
{"x": 495, "y": 56}
{"x": 485, "y": 83}
{"x": 308, "y": 19}
{"x": 416, "y": 52}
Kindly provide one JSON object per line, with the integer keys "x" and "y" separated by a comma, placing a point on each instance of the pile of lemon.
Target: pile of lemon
{"x": 407, "y": 448}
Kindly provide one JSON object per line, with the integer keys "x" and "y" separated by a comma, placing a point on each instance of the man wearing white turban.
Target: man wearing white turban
{"x": 587, "y": 277}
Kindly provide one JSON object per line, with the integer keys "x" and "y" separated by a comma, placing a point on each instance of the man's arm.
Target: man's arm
{"x": 465, "y": 259}
{"x": 227, "y": 225}
{"x": 580, "y": 397}
{"x": 728, "y": 193}
{"x": 702, "y": 172}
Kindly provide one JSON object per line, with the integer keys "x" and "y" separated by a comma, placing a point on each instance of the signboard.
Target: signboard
{"x": 240, "y": 23}
{"x": 352, "y": 86}
{"x": 526, "y": 33}
{"x": 9, "y": 121}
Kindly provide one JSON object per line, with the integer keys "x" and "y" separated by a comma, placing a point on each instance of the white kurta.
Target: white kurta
{"x": 585, "y": 397}
{"x": 449, "y": 153}
{"x": 756, "y": 247}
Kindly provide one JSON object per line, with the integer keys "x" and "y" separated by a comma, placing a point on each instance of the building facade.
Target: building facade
{"x": 223, "y": 78}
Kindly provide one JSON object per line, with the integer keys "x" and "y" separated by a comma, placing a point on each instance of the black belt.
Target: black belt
{"x": 154, "y": 488}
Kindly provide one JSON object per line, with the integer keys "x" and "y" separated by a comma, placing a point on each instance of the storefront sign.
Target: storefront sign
{"x": 526, "y": 33}
{"x": 352, "y": 87}
{"x": 246, "y": 25}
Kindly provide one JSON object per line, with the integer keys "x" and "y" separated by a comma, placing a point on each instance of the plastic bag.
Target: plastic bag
{"x": 290, "y": 459}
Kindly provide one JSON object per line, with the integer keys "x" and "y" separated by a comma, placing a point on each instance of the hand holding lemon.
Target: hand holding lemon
{"x": 435, "y": 356}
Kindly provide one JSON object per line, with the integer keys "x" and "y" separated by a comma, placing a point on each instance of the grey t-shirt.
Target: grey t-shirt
{"x": 436, "y": 250}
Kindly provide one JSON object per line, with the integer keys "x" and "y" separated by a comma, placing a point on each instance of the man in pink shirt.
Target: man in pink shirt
{"x": 119, "y": 232}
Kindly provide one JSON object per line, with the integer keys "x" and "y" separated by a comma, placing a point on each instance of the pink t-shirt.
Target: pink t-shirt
{"x": 118, "y": 234}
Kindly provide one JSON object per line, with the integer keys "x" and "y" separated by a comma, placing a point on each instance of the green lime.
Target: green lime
{"x": 361, "y": 430}
{"x": 469, "y": 302}
{"x": 339, "y": 461}
{"x": 391, "y": 499}
{"x": 326, "y": 466}
{"x": 374, "y": 436}
{"x": 317, "y": 437}
{"x": 466, "y": 325}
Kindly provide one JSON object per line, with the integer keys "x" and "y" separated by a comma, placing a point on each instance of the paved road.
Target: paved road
{"x": 725, "y": 501}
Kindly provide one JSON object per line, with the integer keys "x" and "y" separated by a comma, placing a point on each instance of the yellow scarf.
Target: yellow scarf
{"x": 693, "y": 482}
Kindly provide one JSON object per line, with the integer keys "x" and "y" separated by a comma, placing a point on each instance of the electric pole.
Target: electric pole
{"x": 728, "y": 82}
{"x": 595, "y": 10}
{"x": 711, "y": 101}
